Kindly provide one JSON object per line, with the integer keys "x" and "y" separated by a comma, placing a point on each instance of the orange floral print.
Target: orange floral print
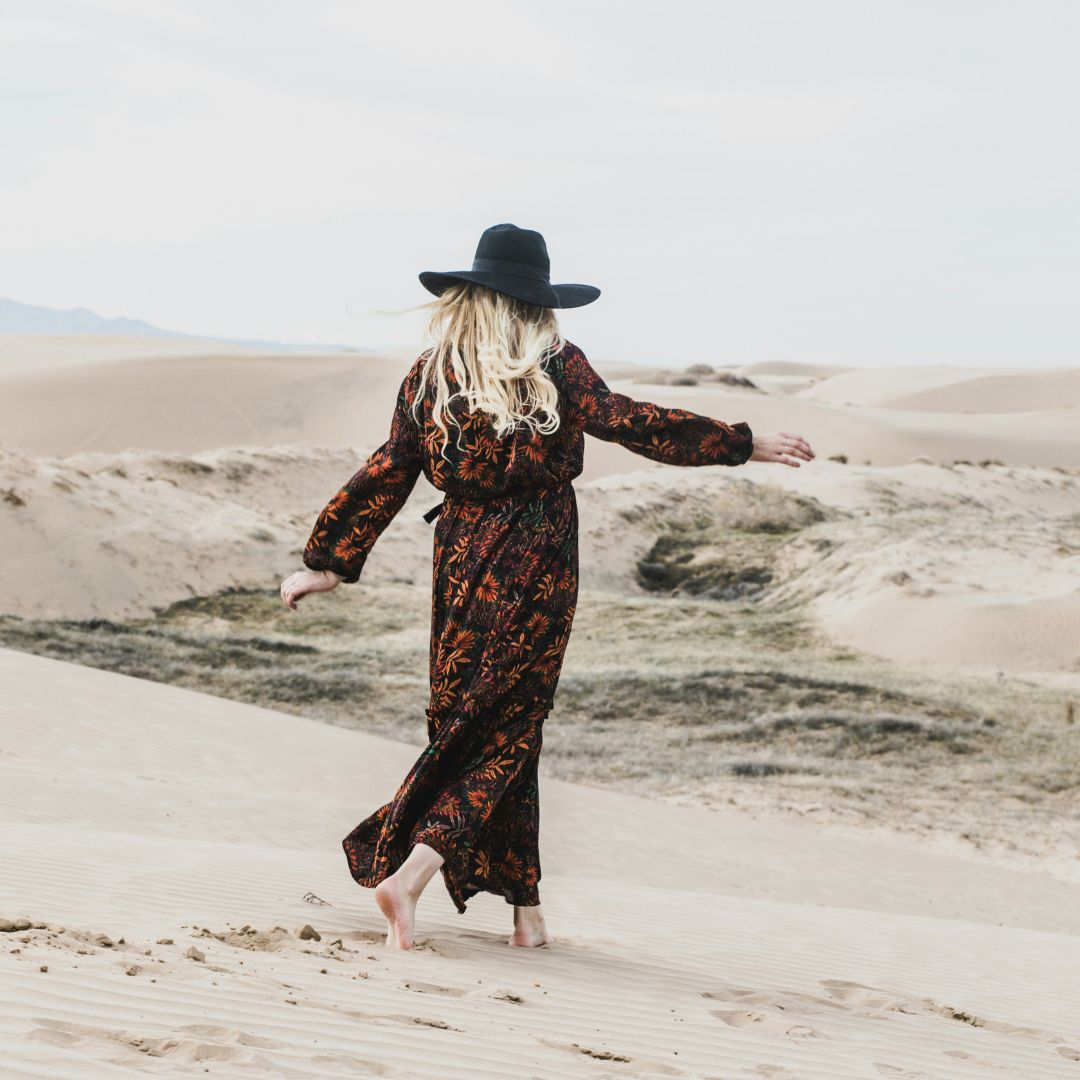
{"x": 504, "y": 591}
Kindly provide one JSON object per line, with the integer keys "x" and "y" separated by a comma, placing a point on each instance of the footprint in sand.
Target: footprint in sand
{"x": 597, "y": 1053}
{"x": 434, "y": 988}
{"x": 885, "y": 1069}
{"x": 190, "y": 1045}
{"x": 767, "y": 1022}
{"x": 369, "y": 937}
{"x": 872, "y": 997}
{"x": 81, "y": 942}
{"x": 422, "y": 1021}
{"x": 775, "y": 1012}
{"x": 407, "y": 1019}
{"x": 354, "y": 1066}
{"x": 441, "y": 948}
{"x": 790, "y": 1001}
{"x": 247, "y": 937}
{"x": 974, "y": 1059}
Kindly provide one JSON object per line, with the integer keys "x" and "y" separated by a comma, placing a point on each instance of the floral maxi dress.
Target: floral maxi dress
{"x": 504, "y": 589}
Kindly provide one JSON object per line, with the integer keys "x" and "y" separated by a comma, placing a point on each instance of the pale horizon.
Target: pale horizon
{"x": 854, "y": 185}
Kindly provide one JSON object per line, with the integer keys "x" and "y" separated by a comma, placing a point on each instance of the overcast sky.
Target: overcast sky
{"x": 857, "y": 182}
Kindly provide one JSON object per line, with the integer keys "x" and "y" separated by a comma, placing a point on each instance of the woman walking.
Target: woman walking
{"x": 494, "y": 415}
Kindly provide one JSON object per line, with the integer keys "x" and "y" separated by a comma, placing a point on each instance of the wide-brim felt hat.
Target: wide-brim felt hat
{"x": 514, "y": 262}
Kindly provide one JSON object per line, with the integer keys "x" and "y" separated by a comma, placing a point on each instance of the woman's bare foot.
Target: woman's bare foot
{"x": 398, "y": 904}
{"x": 397, "y": 894}
{"x": 529, "y": 928}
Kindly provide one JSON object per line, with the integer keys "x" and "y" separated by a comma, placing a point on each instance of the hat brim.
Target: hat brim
{"x": 531, "y": 291}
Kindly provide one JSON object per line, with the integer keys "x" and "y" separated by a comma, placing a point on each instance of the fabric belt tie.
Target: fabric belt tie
{"x": 433, "y": 513}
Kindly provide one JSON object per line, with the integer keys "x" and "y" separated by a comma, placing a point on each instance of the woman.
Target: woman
{"x": 494, "y": 415}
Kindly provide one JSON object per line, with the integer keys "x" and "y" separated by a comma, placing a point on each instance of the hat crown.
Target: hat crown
{"x": 507, "y": 243}
{"x": 513, "y": 262}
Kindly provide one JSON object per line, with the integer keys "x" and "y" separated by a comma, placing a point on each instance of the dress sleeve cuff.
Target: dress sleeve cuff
{"x": 324, "y": 560}
{"x": 744, "y": 446}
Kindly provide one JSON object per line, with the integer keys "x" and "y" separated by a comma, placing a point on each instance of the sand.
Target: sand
{"x": 962, "y": 566}
{"x": 689, "y": 943}
{"x": 143, "y": 482}
{"x": 55, "y": 400}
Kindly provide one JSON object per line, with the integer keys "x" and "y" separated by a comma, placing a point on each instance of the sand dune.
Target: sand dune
{"x": 725, "y": 946}
{"x": 1023, "y": 392}
{"x": 41, "y": 352}
{"x": 112, "y": 399}
{"x": 911, "y": 563}
{"x": 782, "y": 378}
{"x": 120, "y": 535}
{"x": 196, "y": 402}
{"x": 870, "y": 386}
{"x": 959, "y": 629}
{"x": 959, "y": 567}
{"x": 944, "y": 389}
{"x": 163, "y": 848}
{"x": 792, "y": 367}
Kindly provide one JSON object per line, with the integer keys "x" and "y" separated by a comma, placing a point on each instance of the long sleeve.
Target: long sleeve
{"x": 674, "y": 436}
{"x": 355, "y": 517}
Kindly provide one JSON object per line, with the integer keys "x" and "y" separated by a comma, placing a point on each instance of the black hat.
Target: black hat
{"x": 515, "y": 262}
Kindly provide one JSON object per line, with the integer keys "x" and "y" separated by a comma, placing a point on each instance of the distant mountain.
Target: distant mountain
{"x": 16, "y": 318}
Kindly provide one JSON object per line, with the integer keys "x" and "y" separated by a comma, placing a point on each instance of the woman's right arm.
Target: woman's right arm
{"x": 673, "y": 436}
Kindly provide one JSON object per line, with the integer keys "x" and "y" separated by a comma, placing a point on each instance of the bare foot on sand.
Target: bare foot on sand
{"x": 397, "y": 894}
{"x": 398, "y": 904}
{"x": 529, "y": 928}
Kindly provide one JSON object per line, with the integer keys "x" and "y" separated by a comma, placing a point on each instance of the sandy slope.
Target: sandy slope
{"x": 112, "y": 397}
{"x": 783, "y": 377}
{"x": 193, "y": 402}
{"x": 1021, "y": 392}
{"x": 961, "y": 566}
{"x": 691, "y": 943}
{"x": 872, "y": 386}
{"x": 791, "y": 367}
{"x": 942, "y": 389}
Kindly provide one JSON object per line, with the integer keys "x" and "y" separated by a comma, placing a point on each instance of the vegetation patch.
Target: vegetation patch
{"x": 701, "y": 374}
{"x": 326, "y": 661}
{"x": 731, "y": 551}
{"x": 660, "y": 730}
{"x": 661, "y": 695}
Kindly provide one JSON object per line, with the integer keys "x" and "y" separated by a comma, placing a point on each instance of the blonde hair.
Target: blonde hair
{"x": 495, "y": 346}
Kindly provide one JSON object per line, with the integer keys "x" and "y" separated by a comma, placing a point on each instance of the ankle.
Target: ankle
{"x": 408, "y": 883}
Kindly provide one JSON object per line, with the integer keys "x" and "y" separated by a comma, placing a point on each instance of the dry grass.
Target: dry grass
{"x": 698, "y": 374}
{"x": 671, "y": 696}
{"x": 731, "y": 552}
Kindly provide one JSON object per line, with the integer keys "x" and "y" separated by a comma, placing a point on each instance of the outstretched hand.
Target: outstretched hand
{"x": 782, "y": 448}
{"x": 298, "y": 585}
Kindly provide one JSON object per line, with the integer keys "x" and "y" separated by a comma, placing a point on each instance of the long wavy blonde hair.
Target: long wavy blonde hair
{"x": 494, "y": 346}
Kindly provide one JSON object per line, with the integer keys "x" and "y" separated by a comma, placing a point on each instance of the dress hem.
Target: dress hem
{"x": 459, "y": 895}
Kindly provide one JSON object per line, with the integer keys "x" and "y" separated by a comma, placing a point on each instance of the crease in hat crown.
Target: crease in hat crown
{"x": 505, "y": 243}
{"x": 513, "y": 261}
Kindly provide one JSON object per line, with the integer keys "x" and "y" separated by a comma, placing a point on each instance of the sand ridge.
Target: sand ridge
{"x": 173, "y": 896}
{"x": 965, "y": 565}
{"x": 175, "y": 938}
{"x": 70, "y": 396}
